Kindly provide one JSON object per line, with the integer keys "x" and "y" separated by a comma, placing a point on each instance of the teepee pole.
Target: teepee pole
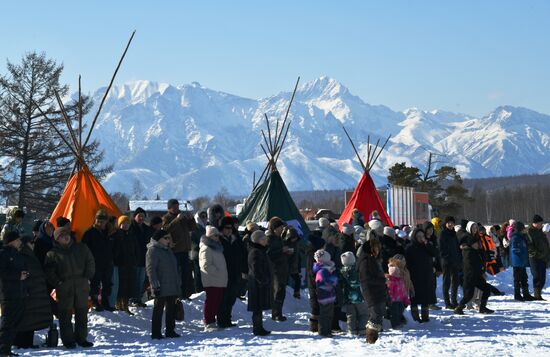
{"x": 355, "y": 149}
{"x": 288, "y": 110}
{"x": 268, "y": 132}
{"x": 79, "y": 115}
{"x": 283, "y": 142}
{"x": 107, "y": 91}
{"x": 368, "y": 149}
{"x": 67, "y": 121}
{"x": 380, "y": 151}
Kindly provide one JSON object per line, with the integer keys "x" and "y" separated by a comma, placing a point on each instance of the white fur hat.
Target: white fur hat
{"x": 512, "y": 222}
{"x": 389, "y": 231}
{"x": 324, "y": 222}
{"x": 401, "y": 234}
{"x": 546, "y": 228}
{"x": 211, "y": 231}
{"x": 322, "y": 256}
{"x": 348, "y": 229}
{"x": 376, "y": 226}
{"x": 348, "y": 259}
{"x": 469, "y": 226}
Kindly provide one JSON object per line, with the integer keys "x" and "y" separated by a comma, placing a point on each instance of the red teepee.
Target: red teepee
{"x": 365, "y": 197}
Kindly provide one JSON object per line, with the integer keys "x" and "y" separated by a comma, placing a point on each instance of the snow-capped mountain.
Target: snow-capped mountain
{"x": 189, "y": 140}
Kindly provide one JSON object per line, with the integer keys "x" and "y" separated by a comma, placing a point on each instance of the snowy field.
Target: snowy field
{"x": 516, "y": 328}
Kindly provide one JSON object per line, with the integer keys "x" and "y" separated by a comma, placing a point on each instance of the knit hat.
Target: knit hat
{"x": 250, "y": 226}
{"x": 449, "y": 219}
{"x": 322, "y": 256}
{"x": 276, "y": 222}
{"x": 546, "y": 228}
{"x": 376, "y": 226}
{"x": 156, "y": 220}
{"x": 11, "y": 236}
{"x": 161, "y": 233}
{"x": 122, "y": 219}
{"x": 348, "y": 229}
{"x": 139, "y": 210}
{"x": 389, "y": 231}
{"x": 101, "y": 214}
{"x": 172, "y": 202}
{"x": 537, "y": 219}
{"x": 62, "y": 221}
{"x": 511, "y": 221}
{"x": 358, "y": 230}
{"x": 469, "y": 226}
{"x": 211, "y": 231}
{"x": 257, "y": 236}
{"x": 61, "y": 231}
{"x": 324, "y": 222}
{"x": 226, "y": 221}
{"x": 348, "y": 259}
{"x": 399, "y": 257}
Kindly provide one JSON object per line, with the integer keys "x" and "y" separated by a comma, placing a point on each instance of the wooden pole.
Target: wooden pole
{"x": 107, "y": 91}
{"x": 355, "y": 149}
{"x": 268, "y": 133}
{"x": 79, "y": 115}
{"x": 368, "y": 149}
{"x": 282, "y": 143}
{"x": 288, "y": 110}
{"x": 67, "y": 120}
{"x": 56, "y": 130}
{"x": 379, "y": 152}
{"x": 266, "y": 142}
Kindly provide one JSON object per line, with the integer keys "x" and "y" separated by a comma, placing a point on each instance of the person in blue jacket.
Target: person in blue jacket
{"x": 520, "y": 261}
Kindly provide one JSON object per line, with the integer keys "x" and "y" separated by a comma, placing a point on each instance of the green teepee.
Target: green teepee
{"x": 270, "y": 197}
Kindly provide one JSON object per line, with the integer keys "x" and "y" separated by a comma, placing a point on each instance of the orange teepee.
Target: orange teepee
{"x": 83, "y": 195}
{"x": 82, "y": 198}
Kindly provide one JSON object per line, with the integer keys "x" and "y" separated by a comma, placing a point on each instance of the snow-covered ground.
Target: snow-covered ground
{"x": 517, "y": 328}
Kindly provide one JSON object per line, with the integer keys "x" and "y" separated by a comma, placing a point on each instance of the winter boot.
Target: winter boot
{"x": 517, "y": 294}
{"x": 414, "y": 313}
{"x": 257, "y": 326}
{"x": 372, "y": 332}
{"x": 314, "y": 323}
{"x": 485, "y": 310}
{"x": 527, "y": 296}
{"x": 125, "y": 307}
{"x": 538, "y": 295}
{"x": 459, "y": 310}
{"x": 434, "y": 307}
{"x": 97, "y": 306}
{"x": 425, "y": 312}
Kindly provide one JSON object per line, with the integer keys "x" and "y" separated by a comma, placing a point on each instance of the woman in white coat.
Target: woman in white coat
{"x": 213, "y": 275}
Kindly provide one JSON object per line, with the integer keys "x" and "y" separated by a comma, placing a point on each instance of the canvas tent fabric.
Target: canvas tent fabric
{"x": 271, "y": 199}
{"x": 82, "y": 198}
{"x": 366, "y": 199}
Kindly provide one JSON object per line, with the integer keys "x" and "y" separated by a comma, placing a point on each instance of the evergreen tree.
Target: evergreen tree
{"x": 36, "y": 162}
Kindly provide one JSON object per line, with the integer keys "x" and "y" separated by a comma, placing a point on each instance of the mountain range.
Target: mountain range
{"x": 187, "y": 140}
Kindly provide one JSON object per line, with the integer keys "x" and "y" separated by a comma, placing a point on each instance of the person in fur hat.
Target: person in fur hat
{"x": 259, "y": 281}
{"x": 325, "y": 282}
{"x": 399, "y": 286}
{"x": 373, "y": 285}
{"x": 358, "y": 219}
{"x": 353, "y": 303}
{"x": 539, "y": 254}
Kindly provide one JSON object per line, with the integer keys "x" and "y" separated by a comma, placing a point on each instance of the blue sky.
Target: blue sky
{"x": 463, "y": 56}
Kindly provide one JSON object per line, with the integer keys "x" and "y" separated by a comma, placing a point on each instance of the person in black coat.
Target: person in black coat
{"x": 315, "y": 242}
{"x": 13, "y": 274}
{"x": 419, "y": 256}
{"x": 450, "y": 262}
{"x": 278, "y": 255}
{"x": 474, "y": 268}
{"x": 235, "y": 255}
{"x": 373, "y": 285}
{"x": 38, "y": 310}
{"x": 429, "y": 233}
{"x": 100, "y": 244}
{"x": 259, "y": 281}
{"x": 125, "y": 258}
{"x": 44, "y": 241}
{"x": 390, "y": 247}
{"x": 143, "y": 233}
{"x": 347, "y": 240}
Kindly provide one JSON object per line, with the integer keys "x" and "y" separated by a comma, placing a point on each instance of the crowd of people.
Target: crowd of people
{"x": 359, "y": 273}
